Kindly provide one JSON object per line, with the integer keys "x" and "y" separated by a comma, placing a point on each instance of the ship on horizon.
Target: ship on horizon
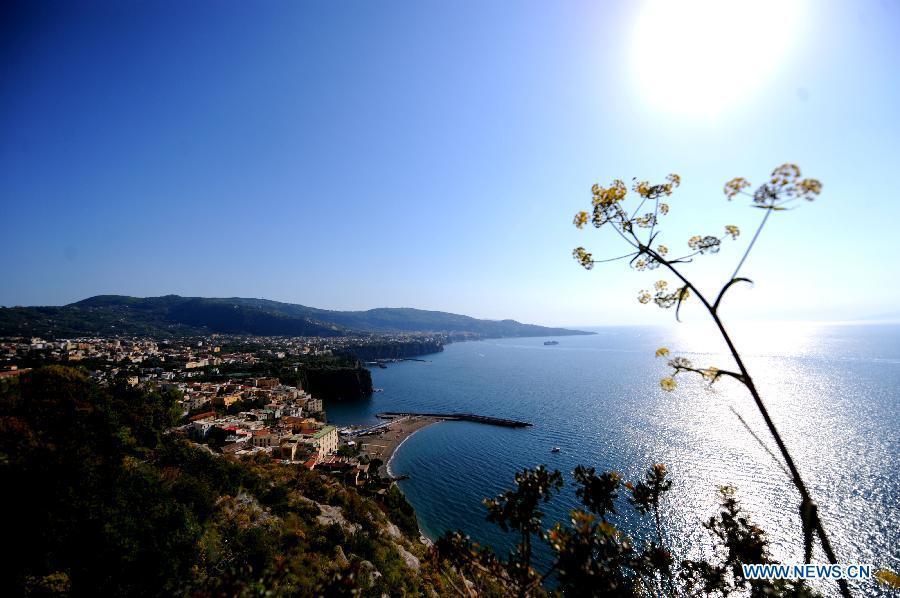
{"x": 551, "y": 342}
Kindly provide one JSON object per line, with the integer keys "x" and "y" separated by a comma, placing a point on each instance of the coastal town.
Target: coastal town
{"x": 244, "y": 396}
{"x": 190, "y": 356}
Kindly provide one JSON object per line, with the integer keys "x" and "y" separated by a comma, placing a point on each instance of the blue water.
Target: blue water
{"x": 831, "y": 389}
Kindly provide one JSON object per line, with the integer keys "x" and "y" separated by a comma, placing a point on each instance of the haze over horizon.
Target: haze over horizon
{"x": 435, "y": 156}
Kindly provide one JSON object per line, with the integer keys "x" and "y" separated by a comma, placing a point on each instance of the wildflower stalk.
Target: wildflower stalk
{"x": 752, "y": 242}
{"x": 808, "y": 509}
{"x": 784, "y": 187}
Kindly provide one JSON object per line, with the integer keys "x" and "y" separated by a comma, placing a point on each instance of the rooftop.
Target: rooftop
{"x": 323, "y": 432}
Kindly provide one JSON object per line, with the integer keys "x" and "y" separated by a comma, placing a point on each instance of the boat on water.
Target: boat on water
{"x": 555, "y": 449}
{"x": 551, "y": 342}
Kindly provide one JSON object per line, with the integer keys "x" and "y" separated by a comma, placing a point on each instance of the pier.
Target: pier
{"x": 468, "y": 417}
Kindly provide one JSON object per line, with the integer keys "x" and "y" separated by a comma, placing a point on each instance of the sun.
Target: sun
{"x": 701, "y": 57}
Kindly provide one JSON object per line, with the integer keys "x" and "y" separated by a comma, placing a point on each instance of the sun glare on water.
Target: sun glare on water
{"x": 700, "y": 57}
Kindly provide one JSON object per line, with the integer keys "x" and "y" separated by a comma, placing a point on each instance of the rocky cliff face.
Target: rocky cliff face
{"x": 337, "y": 382}
{"x": 396, "y": 350}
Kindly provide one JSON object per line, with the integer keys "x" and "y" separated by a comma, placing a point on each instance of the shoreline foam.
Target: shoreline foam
{"x": 387, "y": 465}
{"x": 424, "y": 537}
{"x": 386, "y": 444}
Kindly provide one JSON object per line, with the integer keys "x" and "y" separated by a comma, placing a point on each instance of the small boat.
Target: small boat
{"x": 551, "y": 342}
{"x": 555, "y": 449}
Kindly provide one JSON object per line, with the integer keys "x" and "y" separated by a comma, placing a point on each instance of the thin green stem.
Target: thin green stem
{"x": 638, "y": 208}
{"x": 612, "y": 259}
{"x": 760, "y": 442}
{"x": 796, "y": 478}
{"x": 655, "y": 219}
{"x": 627, "y": 240}
{"x": 752, "y": 242}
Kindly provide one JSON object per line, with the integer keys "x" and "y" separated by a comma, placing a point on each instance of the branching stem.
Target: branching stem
{"x": 747, "y": 380}
{"x": 752, "y": 242}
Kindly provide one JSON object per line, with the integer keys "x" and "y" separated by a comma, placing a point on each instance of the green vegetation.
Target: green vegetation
{"x": 159, "y": 317}
{"x": 593, "y": 557}
{"x": 401, "y": 512}
{"x": 101, "y": 501}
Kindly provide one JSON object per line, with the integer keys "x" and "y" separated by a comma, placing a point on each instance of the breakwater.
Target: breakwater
{"x": 469, "y": 417}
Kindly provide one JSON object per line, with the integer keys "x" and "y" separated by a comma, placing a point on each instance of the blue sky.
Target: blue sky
{"x": 431, "y": 154}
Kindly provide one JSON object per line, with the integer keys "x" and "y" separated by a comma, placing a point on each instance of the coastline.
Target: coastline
{"x": 387, "y": 465}
{"x": 424, "y": 537}
{"x": 384, "y": 446}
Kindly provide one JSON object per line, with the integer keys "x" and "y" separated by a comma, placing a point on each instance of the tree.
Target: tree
{"x": 592, "y": 556}
{"x": 519, "y": 510}
{"x": 82, "y": 493}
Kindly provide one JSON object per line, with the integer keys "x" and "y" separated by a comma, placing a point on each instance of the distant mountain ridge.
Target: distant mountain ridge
{"x": 173, "y": 315}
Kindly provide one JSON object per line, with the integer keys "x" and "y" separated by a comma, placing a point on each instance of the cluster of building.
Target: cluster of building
{"x": 278, "y": 398}
{"x": 143, "y": 360}
{"x": 114, "y": 350}
{"x": 188, "y": 357}
{"x": 281, "y": 426}
{"x": 291, "y": 438}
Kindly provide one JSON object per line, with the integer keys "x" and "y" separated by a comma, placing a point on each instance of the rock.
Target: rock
{"x": 393, "y": 531}
{"x": 341, "y": 558}
{"x": 331, "y": 515}
{"x": 368, "y": 572}
{"x": 245, "y": 511}
{"x": 409, "y": 558}
{"x": 395, "y": 349}
{"x": 338, "y": 382}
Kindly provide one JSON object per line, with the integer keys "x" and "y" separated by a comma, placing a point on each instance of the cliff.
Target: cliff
{"x": 395, "y": 350}
{"x": 337, "y": 382}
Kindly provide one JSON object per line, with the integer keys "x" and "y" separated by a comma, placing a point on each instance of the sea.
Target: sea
{"x": 833, "y": 391}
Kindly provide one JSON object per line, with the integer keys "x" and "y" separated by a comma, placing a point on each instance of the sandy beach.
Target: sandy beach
{"x": 383, "y": 445}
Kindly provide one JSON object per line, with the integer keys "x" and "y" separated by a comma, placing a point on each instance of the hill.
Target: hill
{"x": 173, "y": 315}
